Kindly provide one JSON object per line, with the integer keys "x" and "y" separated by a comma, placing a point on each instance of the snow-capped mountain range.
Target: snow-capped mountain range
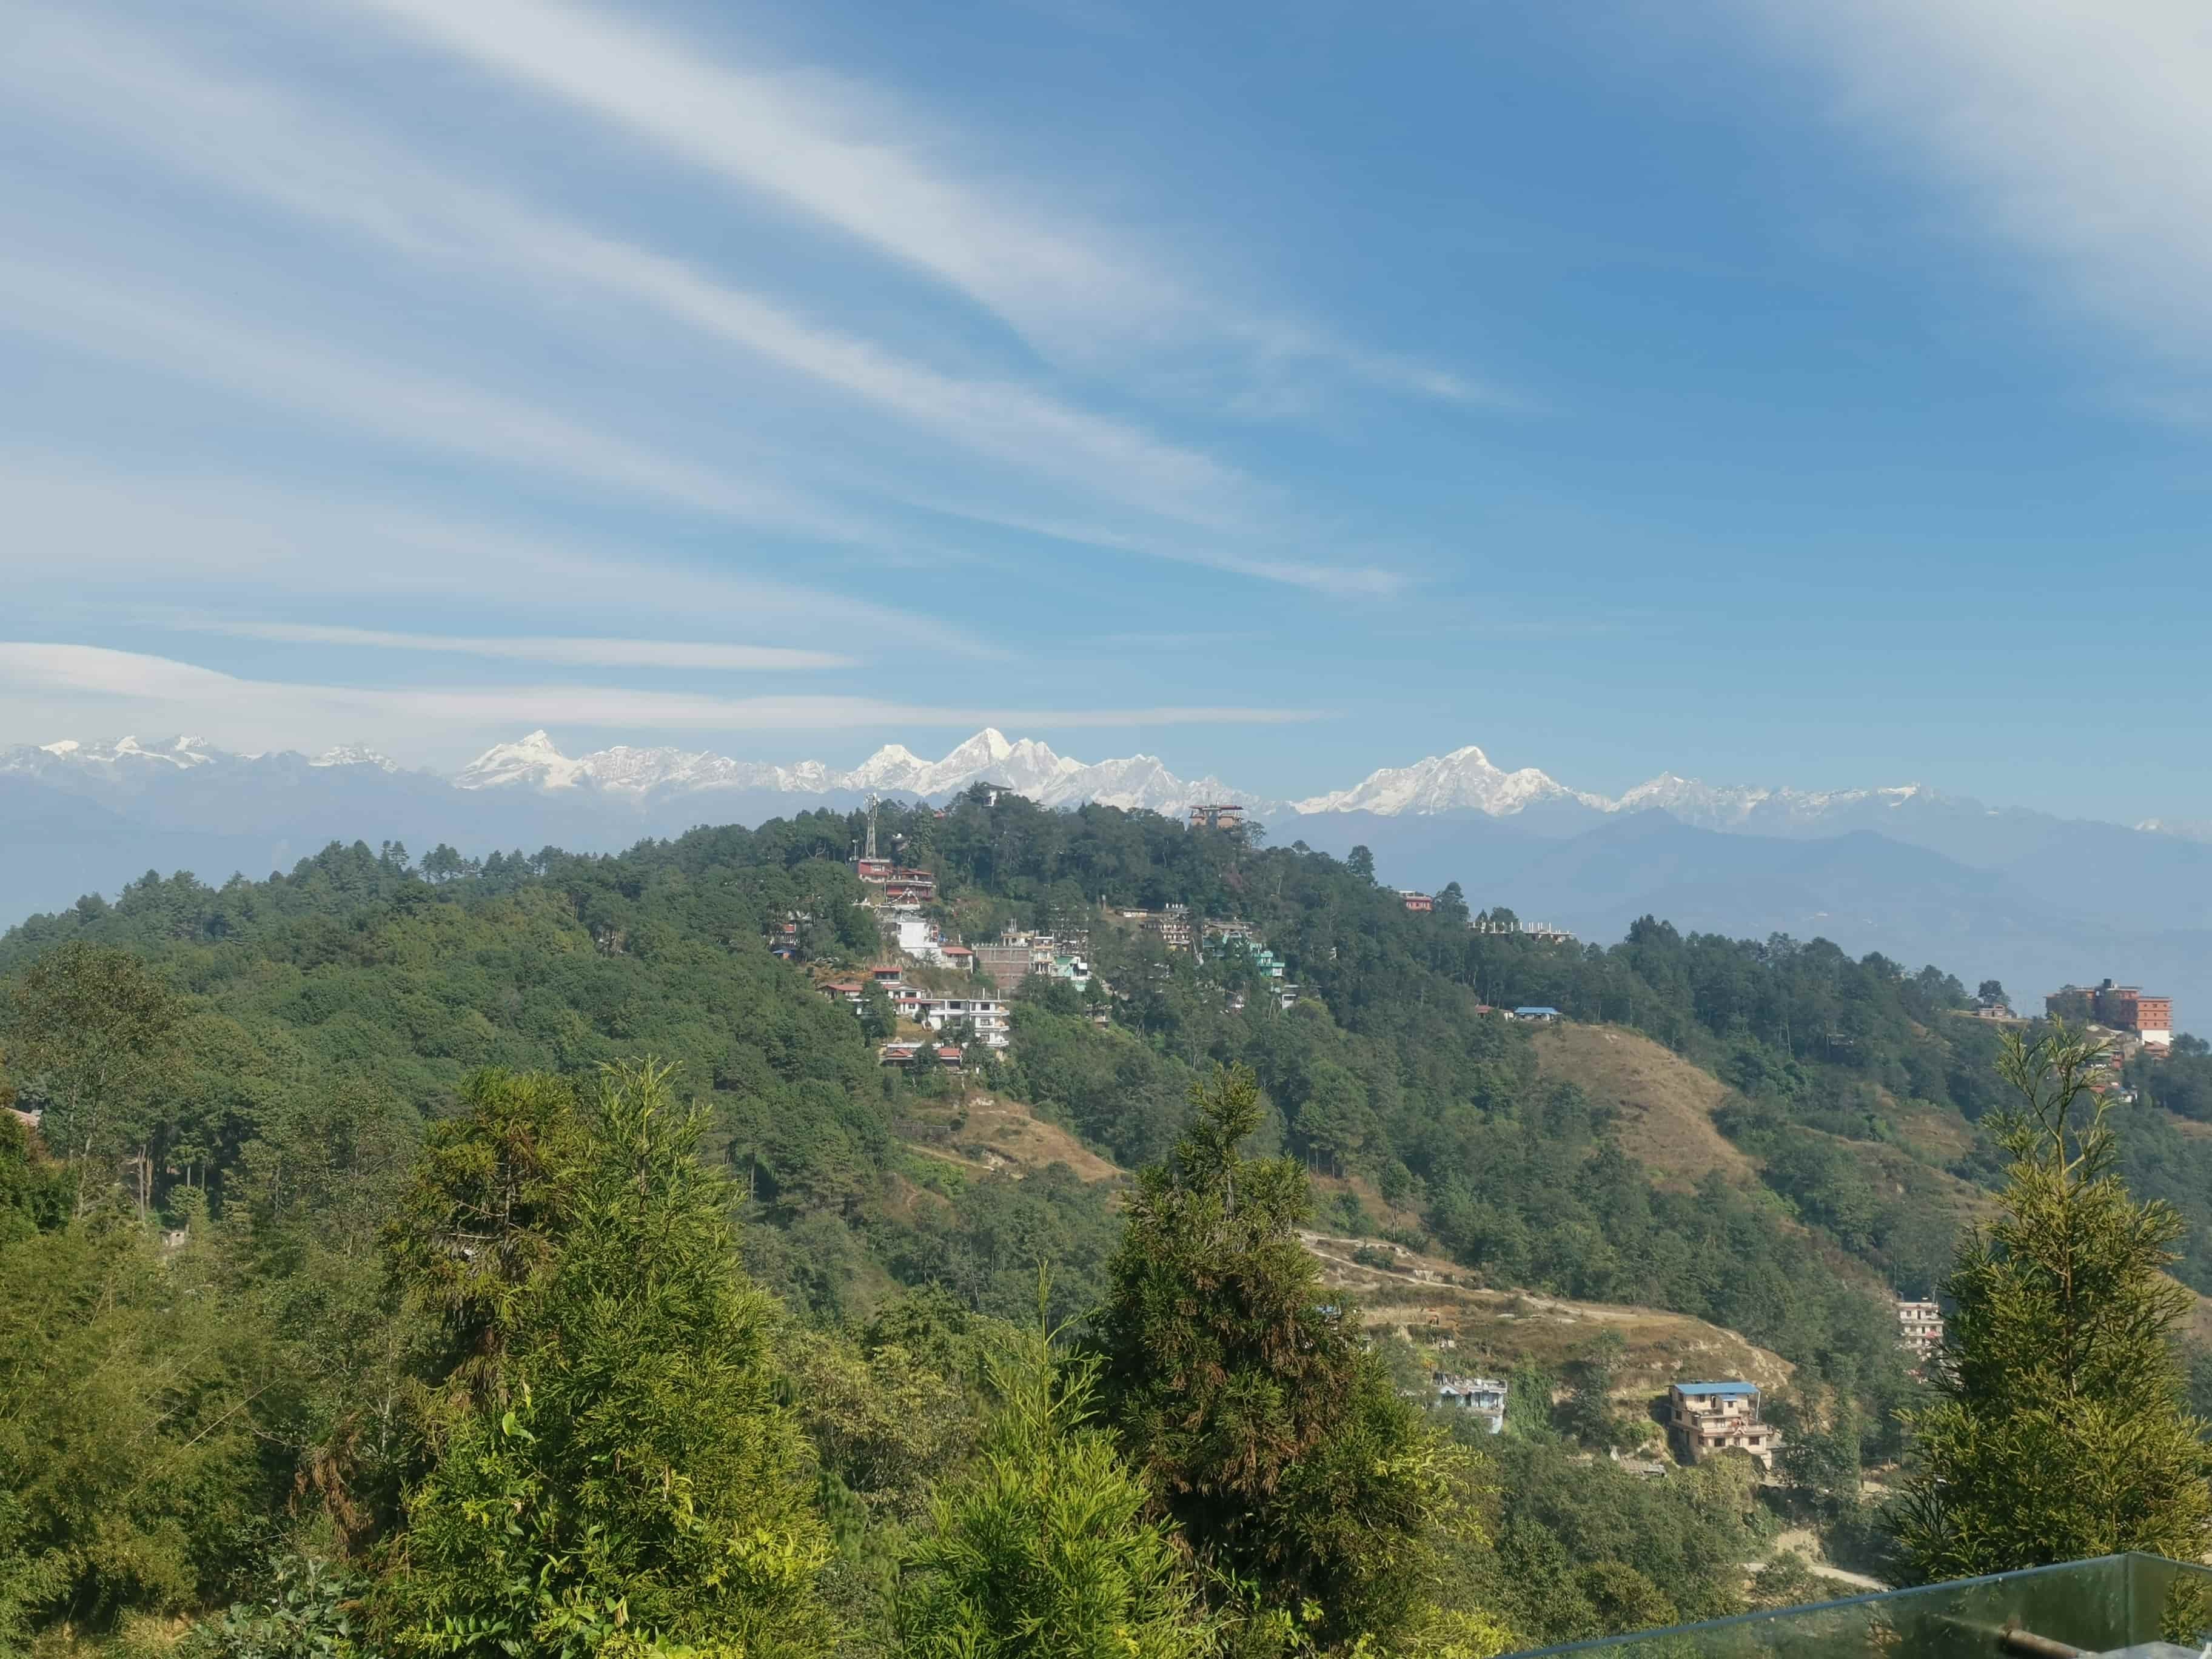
{"x": 1914, "y": 872}
{"x": 126, "y": 757}
{"x": 1465, "y": 781}
{"x": 531, "y": 789}
{"x": 1029, "y": 767}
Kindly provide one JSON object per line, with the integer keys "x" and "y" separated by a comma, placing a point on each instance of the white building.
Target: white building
{"x": 989, "y": 1015}
{"x": 1919, "y": 1327}
{"x": 1484, "y": 1396}
{"x": 1705, "y": 1418}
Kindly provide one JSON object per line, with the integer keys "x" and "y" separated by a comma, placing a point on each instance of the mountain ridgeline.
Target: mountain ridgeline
{"x": 408, "y": 976}
{"x": 1921, "y": 875}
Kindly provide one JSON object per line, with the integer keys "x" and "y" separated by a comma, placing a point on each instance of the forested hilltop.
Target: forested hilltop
{"x": 253, "y": 1097}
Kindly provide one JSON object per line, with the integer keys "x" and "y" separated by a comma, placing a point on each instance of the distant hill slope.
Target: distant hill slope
{"x": 994, "y": 1132}
{"x": 1665, "y": 1104}
{"x": 1496, "y": 1329}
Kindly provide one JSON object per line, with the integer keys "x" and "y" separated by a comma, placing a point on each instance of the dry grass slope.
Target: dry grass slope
{"x": 1494, "y": 1330}
{"x": 1666, "y": 1104}
{"x": 993, "y": 1133}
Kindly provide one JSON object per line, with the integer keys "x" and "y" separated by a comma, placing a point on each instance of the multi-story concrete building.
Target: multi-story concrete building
{"x": 1919, "y": 1327}
{"x": 783, "y": 934}
{"x": 1484, "y": 1396}
{"x": 1217, "y": 815}
{"x": 1014, "y": 956}
{"x": 2123, "y": 1007}
{"x": 989, "y": 1015}
{"x": 1543, "y": 932}
{"x": 1420, "y": 901}
{"x": 1011, "y": 959}
{"x": 1171, "y": 924}
{"x": 1705, "y": 1418}
{"x": 909, "y": 887}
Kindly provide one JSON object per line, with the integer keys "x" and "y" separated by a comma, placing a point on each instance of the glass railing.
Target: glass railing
{"x": 2140, "y": 1606}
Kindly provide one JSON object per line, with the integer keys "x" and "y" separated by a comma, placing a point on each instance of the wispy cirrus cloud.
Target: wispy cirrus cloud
{"x": 584, "y": 652}
{"x": 159, "y": 543}
{"x": 83, "y": 309}
{"x": 260, "y": 142}
{"x": 2078, "y": 134}
{"x": 52, "y": 680}
{"x": 843, "y": 155}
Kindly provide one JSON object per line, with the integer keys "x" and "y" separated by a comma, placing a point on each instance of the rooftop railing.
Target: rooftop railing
{"x": 2142, "y": 1607}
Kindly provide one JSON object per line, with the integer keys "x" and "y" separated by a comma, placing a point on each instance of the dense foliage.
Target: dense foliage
{"x": 1276, "y": 1445}
{"x": 2059, "y": 1430}
{"x": 344, "y": 1283}
{"x": 607, "y": 1467}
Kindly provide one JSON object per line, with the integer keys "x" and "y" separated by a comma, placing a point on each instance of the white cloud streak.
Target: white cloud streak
{"x": 835, "y": 152}
{"x": 270, "y": 147}
{"x": 811, "y": 146}
{"x": 2078, "y": 131}
{"x": 141, "y": 537}
{"x": 582, "y": 653}
{"x": 38, "y": 678}
{"x": 79, "y": 309}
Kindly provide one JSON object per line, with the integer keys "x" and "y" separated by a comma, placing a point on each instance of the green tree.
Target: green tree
{"x": 609, "y": 1469}
{"x": 1587, "y": 1412}
{"x": 1045, "y": 1550}
{"x": 130, "y": 1477}
{"x": 36, "y": 1194}
{"x": 96, "y": 1033}
{"x": 878, "y": 1019}
{"x": 1333, "y": 1120}
{"x": 1243, "y": 1396}
{"x": 1819, "y": 1450}
{"x": 2059, "y": 1430}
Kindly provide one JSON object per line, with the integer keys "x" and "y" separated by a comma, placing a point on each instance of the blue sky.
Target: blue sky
{"x": 1767, "y": 393}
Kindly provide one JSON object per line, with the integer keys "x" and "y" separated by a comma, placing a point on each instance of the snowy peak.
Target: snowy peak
{"x": 1708, "y": 806}
{"x": 182, "y": 753}
{"x": 354, "y": 754}
{"x": 988, "y": 757}
{"x": 1463, "y": 780}
{"x": 536, "y": 761}
{"x": 890, "y": 766}
{"x": 533, "y": 761}
{"x": 1695, "y": 803}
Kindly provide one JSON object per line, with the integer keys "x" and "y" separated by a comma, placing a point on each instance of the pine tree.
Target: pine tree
{"x": 1241, "y": 1392}
{"x": 609, "y": 1470}
{"x": 2059, "y": 1430}
{"x": 1045, "y": 1551}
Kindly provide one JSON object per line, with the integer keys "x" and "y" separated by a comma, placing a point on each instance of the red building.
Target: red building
{"x": 1419, "y": 901}
{"x": 2123, "y": 1007}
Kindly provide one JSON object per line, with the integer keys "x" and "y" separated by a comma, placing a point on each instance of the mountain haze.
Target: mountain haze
{"x": 2028, "y": 897}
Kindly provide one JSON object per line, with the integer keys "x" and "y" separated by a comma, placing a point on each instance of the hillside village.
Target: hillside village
{"x": 903, "y": 900}
{"x": 931, "y": 982}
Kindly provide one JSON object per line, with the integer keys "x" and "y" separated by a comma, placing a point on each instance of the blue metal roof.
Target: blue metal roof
{"x": 1718, "y": 1388}
{"x": 1535, "y": 1011}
